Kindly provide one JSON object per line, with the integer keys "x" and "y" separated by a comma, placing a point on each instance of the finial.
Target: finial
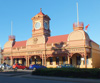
{"x": 40, "y": 9}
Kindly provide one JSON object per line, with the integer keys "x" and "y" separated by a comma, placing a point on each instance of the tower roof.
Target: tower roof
{"x": 40, "y": 13}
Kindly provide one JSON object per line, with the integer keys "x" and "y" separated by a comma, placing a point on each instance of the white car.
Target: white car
{"x": 2, "y": 66}
{"x": 6, "y": 66}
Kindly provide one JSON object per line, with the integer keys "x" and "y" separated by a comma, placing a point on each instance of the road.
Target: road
{"x": 24, "y": 76}
{"x": 18, "y": 77}
{"x": 4, "y": 79}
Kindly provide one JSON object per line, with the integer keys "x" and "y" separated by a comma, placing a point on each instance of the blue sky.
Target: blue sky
{"x": 63, "y": 14}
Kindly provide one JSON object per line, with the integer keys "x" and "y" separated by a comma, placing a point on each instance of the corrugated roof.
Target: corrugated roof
{"x": 20, "y": 44}
{"x": 53, "y": 39}
{"x": 57, "y": 39}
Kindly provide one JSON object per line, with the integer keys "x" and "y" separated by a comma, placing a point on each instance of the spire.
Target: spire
{"x": 40, "y": 9}
{"x": 40, "y": 13}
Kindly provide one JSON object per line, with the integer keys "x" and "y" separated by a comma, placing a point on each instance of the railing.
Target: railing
{"x": 11, "y": 37}
{"x": 79, "y": 24}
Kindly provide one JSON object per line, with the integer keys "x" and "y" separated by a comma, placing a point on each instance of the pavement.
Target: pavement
{"x": 27, "y": 74}
{"x": 64, "y": 79}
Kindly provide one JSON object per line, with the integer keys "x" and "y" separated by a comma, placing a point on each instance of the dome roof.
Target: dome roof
{"x": 30, "y": 41}
{"x": 78, "y": 35}
{"x": 8, "y": 44}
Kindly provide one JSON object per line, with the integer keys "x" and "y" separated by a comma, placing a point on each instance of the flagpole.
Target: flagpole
{"x": 85, "y": 30}
{"x": 11, "y": 28}
{"x": 77, "y": 15}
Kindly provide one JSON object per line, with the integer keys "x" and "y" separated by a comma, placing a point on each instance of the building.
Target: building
{"x": 75, "y": 48}
{"x": 1, "y": 58}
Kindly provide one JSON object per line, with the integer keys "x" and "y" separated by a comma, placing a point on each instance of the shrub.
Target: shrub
{"x": 69, "y": 72}
{"x": 1, "y": 69}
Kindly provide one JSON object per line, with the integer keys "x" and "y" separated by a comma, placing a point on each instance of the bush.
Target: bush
{"x": 69, "y": 72}
{"x": 1, "y": 69}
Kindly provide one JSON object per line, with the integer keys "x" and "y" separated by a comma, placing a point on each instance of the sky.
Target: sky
{"x": 63, "y": 14}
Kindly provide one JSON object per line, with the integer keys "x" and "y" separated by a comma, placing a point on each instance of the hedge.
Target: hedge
{"x": 1, "y": 69}
{"x": 69, "y": 72}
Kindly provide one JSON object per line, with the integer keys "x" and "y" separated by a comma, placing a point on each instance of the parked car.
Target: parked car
{"x": 5, "y": 66}
{"x": 19, "y": 66}
{"x": 2, "y": 66}
{"x": 65, "y": 66}
{"x": 8, "y": 66}
{"x": 36, "y": 66}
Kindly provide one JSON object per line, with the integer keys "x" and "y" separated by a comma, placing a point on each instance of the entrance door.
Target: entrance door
{"x": 78, "y": 60}
{"x": 35, "y": 61}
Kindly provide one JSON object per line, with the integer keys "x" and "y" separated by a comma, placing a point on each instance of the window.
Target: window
{"x": 17, "y": 60}
{"x": 57, "y": 60}
{"x": 64, "y": 59}
{"x": 87, "y": 62}
{"x": 14, "y": 61}
{"x": 51, "y": 61}
{"x": 30, "y": 60}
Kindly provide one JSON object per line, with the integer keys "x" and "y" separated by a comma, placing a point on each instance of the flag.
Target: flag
{"x": 86, "y": 27}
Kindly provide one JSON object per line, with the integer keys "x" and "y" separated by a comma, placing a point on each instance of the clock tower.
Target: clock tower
{"x": 41, "y": 25}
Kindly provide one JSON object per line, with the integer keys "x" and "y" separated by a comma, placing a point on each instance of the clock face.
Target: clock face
{"x": 45, "y": 25}
{"x": 37, "y": 25}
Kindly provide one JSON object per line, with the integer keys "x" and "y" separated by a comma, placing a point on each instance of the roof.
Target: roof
{"x": 57, "y": 39}
{"x": 93, "y": 41}
{"x": 40, "y": 13}
{"x": 53, "y": 39}
{"x": 20, "y": 44}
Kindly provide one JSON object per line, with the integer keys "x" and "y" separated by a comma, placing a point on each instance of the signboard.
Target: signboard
{"x": 35, "y": 52}
{"x": 76, "y": 50}
{"x": 82, "y": 59}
